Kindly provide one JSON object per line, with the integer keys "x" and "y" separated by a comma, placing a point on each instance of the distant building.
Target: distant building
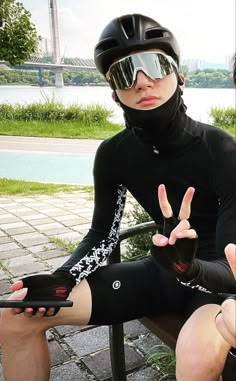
{"x": 194, "y": 64}
{"x": 229, "y": 62}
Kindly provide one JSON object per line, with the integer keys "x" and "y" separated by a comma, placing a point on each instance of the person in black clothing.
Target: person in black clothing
{"x": 169, "y": 163}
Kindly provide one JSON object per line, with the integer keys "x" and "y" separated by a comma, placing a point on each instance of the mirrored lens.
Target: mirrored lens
{"x": 122, "y": 73}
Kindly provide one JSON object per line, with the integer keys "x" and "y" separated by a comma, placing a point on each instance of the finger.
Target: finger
{"x": 50, "y": 312}
{"x": 28, "y": 312}
{"x": 163, "y": 202}
{"x": 224, "y": 330}
{"x": 230, "y": 252}
{"x": 159, "y": 240}
{"x": 190, "y": 233}
{"x": 229, "y": 315}
{"x": 185, "y": 209}
{"x": 17, "y": 285}
{"x": 182, "y": 226}
{"x": 40, "y": 312}
{"x": 17, "y": 295}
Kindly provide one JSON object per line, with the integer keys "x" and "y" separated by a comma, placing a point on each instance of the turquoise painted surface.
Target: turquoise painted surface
{"x": 48, "y": 168}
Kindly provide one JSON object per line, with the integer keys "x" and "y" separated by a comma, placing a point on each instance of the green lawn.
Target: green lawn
{"x": 58, "y": 129}
{"x": 17, "y": 187}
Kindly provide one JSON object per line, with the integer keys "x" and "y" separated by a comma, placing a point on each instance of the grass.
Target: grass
{"x": 10, "y": 187}
{"x": 164, "y": 359}
{"x": 68, "y": 246}
{"x": 58, "y": 129}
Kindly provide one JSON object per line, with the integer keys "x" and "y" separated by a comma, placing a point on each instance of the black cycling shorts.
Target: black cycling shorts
{"x": 131, "y": 290}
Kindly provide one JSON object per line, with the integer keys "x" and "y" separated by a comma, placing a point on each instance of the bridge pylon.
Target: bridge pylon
{"x": 56, "y": 56}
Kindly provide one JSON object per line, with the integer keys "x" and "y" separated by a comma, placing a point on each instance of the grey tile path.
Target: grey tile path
{"x": 27, "y": 225}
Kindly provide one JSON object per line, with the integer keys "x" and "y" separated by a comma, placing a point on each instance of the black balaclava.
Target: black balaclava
{"x": 157, "y": 127}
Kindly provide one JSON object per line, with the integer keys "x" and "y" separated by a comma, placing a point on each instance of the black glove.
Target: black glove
{"x": 56, "y": 287}
{"x": 177, "y": 258}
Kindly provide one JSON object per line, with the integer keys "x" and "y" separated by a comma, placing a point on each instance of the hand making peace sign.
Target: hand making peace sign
{"x": 183, "y": 229}
{"x": 175, "y": 249}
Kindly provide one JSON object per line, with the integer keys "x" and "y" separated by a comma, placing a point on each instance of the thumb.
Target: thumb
{"x": 159, "y": 240}
{"x": 17, "y": 285}
{"x": 18, "y": 295}
{"x": 230, "y": 253}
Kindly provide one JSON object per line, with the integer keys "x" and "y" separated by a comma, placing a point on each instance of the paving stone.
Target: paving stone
{"x": 27, "y": 269}
{"x": 54, "y": 212}
{"x": 26, "y": 214}
{"x": 50, "y": 334}
{"x": 66, "y": 216}
{"x": 74, "y": 221}
{"x": 52, "y": 225}
{"x": 134, "y": 329}
{"x": 67, "y": 372}
{"x": 5, "y": 240}
{"x": 147, "y": 374}
{"x": 34, "y": 216}
{"x": 37, "y": 240}
{"x": 99, "y": 363}
{"x": 8, "y": 246}
{"x": 4, "y": 286}
{"x": 12, "y": 225}
{"x": 8, "y": 218}
{"x": 49, "y": 254}
{"x": 3, "y": 275}
{"x": 89, "y": 341}
{"x": 57, "y": 262}
{"x": 39, "y": 221}
{"x": 22, "y": 230}
{"x": 24, "y": 259}
{"x": 13, "y": 253}
{"x": 58, "y": 355}
{"x": 55, "y": 232}
{"x": 148, "y": 344}
{"x": 71, "y": 236}
{"x": 67, "y": 329}
{"x": 39, "y": 248}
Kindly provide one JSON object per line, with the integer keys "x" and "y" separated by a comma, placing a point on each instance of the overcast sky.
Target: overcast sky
{"x": 205, "y": 29}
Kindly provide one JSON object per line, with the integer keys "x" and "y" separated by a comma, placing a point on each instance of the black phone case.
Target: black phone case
{"x": 35, "y": 303}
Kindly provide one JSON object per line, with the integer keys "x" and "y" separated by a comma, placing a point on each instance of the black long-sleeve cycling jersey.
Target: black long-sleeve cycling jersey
{"x": 201, "y": 156}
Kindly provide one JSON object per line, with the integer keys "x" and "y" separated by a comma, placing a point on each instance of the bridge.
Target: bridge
{"x": 41, "y": 61}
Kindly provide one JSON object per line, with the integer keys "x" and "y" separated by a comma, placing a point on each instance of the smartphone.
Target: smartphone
{"x": 35, "y": 303}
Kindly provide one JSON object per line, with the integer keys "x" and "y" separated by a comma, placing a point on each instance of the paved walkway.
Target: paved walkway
{"x": 71, "y": 146}
{"x": 28, "y": 228}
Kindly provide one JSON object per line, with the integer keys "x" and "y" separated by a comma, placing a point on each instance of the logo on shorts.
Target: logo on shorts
{"x": 116, "y": 284}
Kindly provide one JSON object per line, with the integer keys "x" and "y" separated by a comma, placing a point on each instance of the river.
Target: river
{"x": 199, "y": 101}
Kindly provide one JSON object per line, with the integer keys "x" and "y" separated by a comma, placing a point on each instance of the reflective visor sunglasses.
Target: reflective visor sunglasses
{"x": 156, "y": 65}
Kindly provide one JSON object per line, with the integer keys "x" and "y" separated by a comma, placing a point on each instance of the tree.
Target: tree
{"x": 18, "y": 36}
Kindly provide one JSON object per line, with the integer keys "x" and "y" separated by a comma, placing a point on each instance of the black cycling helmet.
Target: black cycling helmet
{"x": 132, "y": 33}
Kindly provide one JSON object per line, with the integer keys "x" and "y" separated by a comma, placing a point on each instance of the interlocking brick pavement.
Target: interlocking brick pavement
{"x": 27, "y": 225}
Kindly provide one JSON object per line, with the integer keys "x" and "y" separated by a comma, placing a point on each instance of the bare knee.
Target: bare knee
{"x": 200, "y": 350}
{"x": 19, "y": 327}
{"x": 197, "y": 363}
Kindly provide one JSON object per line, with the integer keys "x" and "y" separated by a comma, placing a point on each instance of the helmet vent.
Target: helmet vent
{"x": 127, "y": 26}
{"x": 155, "y": 33}
{"x": 106, "y": 45}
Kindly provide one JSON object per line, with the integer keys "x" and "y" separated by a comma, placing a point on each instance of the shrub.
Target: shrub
{"x": 55, "y": 111}
{"x": 224, "y": 118}
{"x": 138, "y": 246}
